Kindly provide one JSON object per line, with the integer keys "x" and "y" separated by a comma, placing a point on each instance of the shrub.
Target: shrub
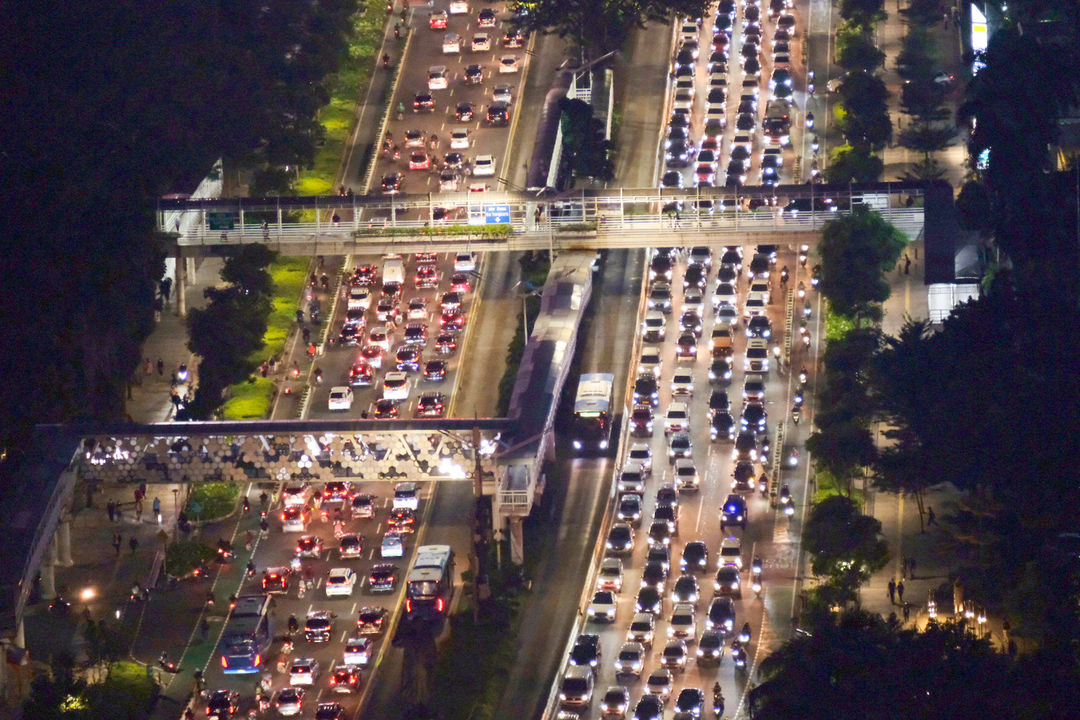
{"x": 214, "y": 499}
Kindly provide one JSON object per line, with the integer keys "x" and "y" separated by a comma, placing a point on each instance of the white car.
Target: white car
{"x": 289, "y": 701}
{"x": 464, "y": 262}
{"x": 437, "y": 78}
{"x": 686, "y": 474}
{"x": 484, "y": 166}
{"x": 503, "y": 93}
{"x": 610, "y": 576}
{"x": 295, "y": 494}
{"x": 683, "y": 622}
{"x": 677, "y": 418}
{"x": 481, "y": 42}
{"x": 459, "y": 7}
{"x": 602, "y": 607}
{"x": 725, "y": 294}
{"x": 340, "y": 581}
{"x": 508, "y": 64}
{"x": 359, "y": 298}
{"x": 393, "y": 545}
{"x": 358, "y": 651}
{"x": 682, "y": 383}
{"x": 396, "y": 386}
{"x": 341, "y": 398}
{"x": 451, "y": 44}
{"x": 407, "y": 495}
{"x": 459, "y": 138}
{"x": 641, "y": 454}
{"x": 650, "y": 361}
{"x": 304, "y": 671}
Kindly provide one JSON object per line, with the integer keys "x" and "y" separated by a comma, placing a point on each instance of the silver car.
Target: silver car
{"x": 630, "y": 660}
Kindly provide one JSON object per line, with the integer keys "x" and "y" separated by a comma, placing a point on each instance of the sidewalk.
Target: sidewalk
{"x": 149, "y": 396}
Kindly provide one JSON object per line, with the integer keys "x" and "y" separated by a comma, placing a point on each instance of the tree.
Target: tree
{"x": 925, "y": 138}
{"x": 600, "y": 26}
{"x": 246, "y": 269}
{"x": 853, "y": 164}
{"x": 855, "y": 250}
{"x": 847, "y": 546}
{"x": 915, "y": 61}
{"x": 858, "y": 52}
{"x": 842, "y": 449}
{"x": 922, "y": 98}
{"x": 863, "y": 12}
{"x": 975, "y": 207}
{"x": 866, "y": 121}
{"x": 925, "y": 13}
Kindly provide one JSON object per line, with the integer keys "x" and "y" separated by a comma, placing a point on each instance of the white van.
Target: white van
{"x": 393, "y": 270}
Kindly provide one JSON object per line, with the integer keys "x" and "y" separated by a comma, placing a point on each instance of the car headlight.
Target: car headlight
{"x": 577, "y": 444}
{"x": 610, "y": 546}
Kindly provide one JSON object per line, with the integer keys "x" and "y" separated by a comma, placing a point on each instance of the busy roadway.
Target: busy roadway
{"x": 732, "y": 104}
{"x": 681, "y": 383}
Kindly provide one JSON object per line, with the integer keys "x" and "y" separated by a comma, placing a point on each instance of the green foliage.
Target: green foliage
{"x": 855, "y": 250}
{"x": 126, "y": 694}
{"x": 483, "y": 232}
{"x": 856, "y": 51}
{"x": 975, "y": 207}
{"x": 105, "y": 642}
{"x": 217, "y": 499}
{"x": 863, "y": 12}
{"x": 866, "y": 119}
{"x": 925, "y": 13}
{"x": 584, "y": 150}
{"x": 251, "y": 399}
{"x": 600, "y": 26}
{"x": 853, "y": 164}
{"x": 846, "y": 545}
{"x": 916, "y": 61}
{"x": 841, "y": 449}
{"x": 183, "y": 556}
{"x": 926, "y": 170}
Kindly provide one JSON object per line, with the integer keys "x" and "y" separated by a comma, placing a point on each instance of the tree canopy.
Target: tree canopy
{"x": 855, "y": 249}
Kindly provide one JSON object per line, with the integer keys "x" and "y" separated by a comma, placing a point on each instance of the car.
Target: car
{"x": 473, "y": 75}
{"x": 586, "y": 651}
{"x": 370, "y": 619}
{"x": 294, "y": 519}
{"x": 402, "y": 519}
{"x": 340, "y": 582}
{"x": 452, "y": 320}
{"x": 460, "y": 138}
{"x": 407, "y": 359}
{"x": 416, "y": 332}
{"x": 660, "y": 533}
{"x": 391, "y": 182}
{"x": 728, "y": 582}
{"x": 438, "y": 77}
{"x": 721, "y": 615}
{"x": 745, "y": 449}
{"x": 686, "y": 474}
{"x": 437, "y": 20}
{"x": 341, "y": 398}
{"x": 649, "y": 600}
{"x": 396, "y": 386}
{"x": 654, "y": 574}
{"x": 423, "y": 101}
{"x": 682, "y": 383}
{"x": 318, "y": 627}
{"x": 464, "y": 111}
{"x": 309, "y": 546}
{"x": 481, "y": 42}
{"x": 345, "y": 678}
{"x": 690, "y": 322}
{"x": 630, "y": 660}
{"x": 650, "y": 361}
{"x": 576, "y": 687}
{"x": 679, "y": 445}
{"x": 754, "y": 418}
{"x": 460, "y": 283}
{"x": 484, "y": 166}
{"x": 685, "y": 590}
{"x": 659, "y": 683}
{"x": 689, "y": 704}
{"x": 642, "y": 628}
{"x": 677, "y": 418}
{"x": 641, "y": 420}
{"x": 649, "y": 707}
{"x": 503, "y": 93}
{"x": 430, "y": 404}
{"x": 498, "y": 114}
{"x": 602, "y": 607}
{"x": 486, "y": 18}
{"x": 620, "y": 539}
{"x": 646, "y": 389}
{"x": 276, "y": 580}
{"x": 615, "y": 701}
{"x": 610, "y": 575}
{"x": 393, "y": 544}
{"x": 382, "y": 577}
{"x": 733, "y": 512}
{"x": 459, "y": 7}
{"x": 683, "y": 621}
{"x": 756, "y": 359}
{"x": 759, "y": 326}
{"x": 695, "y": 557}
{"x": 629, "y": 509}
{"x": 514, "y": 38}
{"x": 508, "y": 64}
{"x": 222, "y": 704}
{"x": 675, "y": 654}
{"x": 754, "y": 389}
{"x": 289, "y": 701}
{"x": 731, "y": 552}
{"x": 446, "y": 343}
{"x": 641, "y": 454}
{"x": 295, "y": 494}
{"x": 720, "y": 371}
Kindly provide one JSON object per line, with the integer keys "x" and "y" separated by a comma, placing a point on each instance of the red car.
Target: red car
{"x": 452, "y": 320}
{"x": 459, "y": 282}
{"x": 427, "y": 276}
{"x": 419, "y": 161}
{"x": 346, "y": 679}
{"x": 365, "y": 275}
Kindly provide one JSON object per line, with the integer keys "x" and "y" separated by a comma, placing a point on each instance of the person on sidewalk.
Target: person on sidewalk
{"x": 157, "y": 510}
{"x": 907, "y": 265}
{"x": 133, "y": 543}
{"x": 892, "y": 592}
{"x": 160, "y": 366}
{"x": 117, "y": 541}
{"x": 907, "y": 611}
{"x": 930, "y": 518}
{"x": 111, "y": 509}
{"x": 900, "y": 591}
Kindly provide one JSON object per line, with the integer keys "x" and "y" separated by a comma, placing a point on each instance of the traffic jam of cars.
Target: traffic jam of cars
{"x": 333, "y": 589}
{"x": 732, "y": 97}
{"x": 679, "y": 584}
{"x": 404, "y": 333}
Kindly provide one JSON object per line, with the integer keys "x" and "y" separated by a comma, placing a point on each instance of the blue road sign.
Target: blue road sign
{"x": 497, "y": 214}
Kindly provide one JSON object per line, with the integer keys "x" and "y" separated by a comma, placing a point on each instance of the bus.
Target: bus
{"x": 247, "y": 635}
{"x": 592, "y": 412}
{"x": 430, "y": 586}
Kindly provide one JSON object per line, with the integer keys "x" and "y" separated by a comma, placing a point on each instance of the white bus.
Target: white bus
{"x": 593, "y": 412}
{"x": 430, "y": 586}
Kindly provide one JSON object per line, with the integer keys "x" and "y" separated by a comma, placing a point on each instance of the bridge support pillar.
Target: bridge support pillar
{"x": 517, "y": 540}
{"x": 181, "y": 282}
{"x": 63, "y": 541}
{"x": 48, "y": 573}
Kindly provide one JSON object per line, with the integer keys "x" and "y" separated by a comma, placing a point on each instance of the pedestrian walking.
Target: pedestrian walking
{"x": 907, "y": 611}
{"x": 160, "y": 366}
{"x": 892, "y": 592}
{"x": 166, "y": 288}
{"x": 907, "y": 265}
{"x": 133, "y": 543}
{"x": 930, "y": 518}
{"x": 911, "y": 571}
{"x": 117, "y": 541}
{"x": 157, "y": 509}
{"x": 204, "y": 629}
{"x": 138, "y": 511}
{"x": 111, "y": 509}
{"x": 900, "y": 591}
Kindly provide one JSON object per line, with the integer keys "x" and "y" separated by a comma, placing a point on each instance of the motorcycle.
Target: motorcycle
{"x": 807, "y": 310}
{"x": 167, "y": 665}
{"x": 793, "y": 457}
{"x": 717, "y": 700}
{"x": 59, "y": 606}
{"x": 339, "y": 529}
{"x": 739, "y": 656}
{"x": 755, "y": 582}
{"x": 224, "y": 551}
{"x": 318, "y": 376}
{"x": 802, "y": 376}
{"x": 744, "y": 634}
{"x": 294, "y": 625}
{"x": 804, "y": 251}
{"x": 250, "y": 569}
{"x": 801, "y": 290}
{"x": 796, "y": 414}
{"x": 763, "y": 484}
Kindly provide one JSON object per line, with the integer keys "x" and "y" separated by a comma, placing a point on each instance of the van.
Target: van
{"x": 451, "y": 44}
{"x": 576, "y": 689}
{"x": 393, "y": 270}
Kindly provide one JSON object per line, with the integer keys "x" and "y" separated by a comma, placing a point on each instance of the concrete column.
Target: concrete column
{"x": 48, "y": 574}
{"x": 181, "y": 282}
{"x": 517, "y": 540}
{"x": 63, "y": 540}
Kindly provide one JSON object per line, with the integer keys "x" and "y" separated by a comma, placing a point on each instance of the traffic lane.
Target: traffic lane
{"x": 642, "y": 95}
{"x": 426, "y": 51}
{"x": 276, "y": 550}
{"x": 617, "y": 294}
{"x": 337, "y": 360}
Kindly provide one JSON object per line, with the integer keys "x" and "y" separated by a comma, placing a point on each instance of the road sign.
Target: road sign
{"x": 497, "y": 214}
{"x": 221, "y": 220}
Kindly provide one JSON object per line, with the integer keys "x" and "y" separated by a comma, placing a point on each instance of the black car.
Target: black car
{"x": 718, "y": 402}
{"x": 649, "y": 600}
{"x": 408, "y": 358}
{"x": 330, "y": 711}
{"x": 695, "y": 557}
{"x": 649, "y": 707}
{"x": 465, "y": 111}
{"x": 745, "y": 122}
{"x": 695, "y": 276}
{"x": 721, "y": 615}
{"x": 423, "y": 101}
{"x": 222, "y": 704}
{"x": 720, "y": 371}
{"x": 733, "y": 512}
{"x": 318, "y": 627}
{"x": 691, "y": 701}
{"x": 383, "y": 577}
{"x": 672, "y": 179}
{"x": 586, "y": 651}
{"x": 660, "y": 267}
{"x": 710, "y": 647}
{"x": 435, "y": 371}
{"x": 647, "y": 389}
{"x": 629, "y": 509}
{"x": 391, "y": 182}
{"x": 653, "y": 575}
{"x": 620, "y": 538}
{"x": 350, "y": 334}
{"x": 474, "y": 74}
{"x": 498, "y": 114}
{"x": 754, "y": 418}
{"x": 722, "y": 426}
{"x": 370, "y": 619}
{"x": 759, "y": 326}
{"x": 743, "y": 475}
{"x": 679, "y": 154}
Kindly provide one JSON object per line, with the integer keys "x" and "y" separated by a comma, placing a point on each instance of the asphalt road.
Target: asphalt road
{"x": 338, "y": 359}
{"x": 767, "y": 536}
{"x": 426, "y": 50}
{"x": 735, "y": 77}
{"x": 277, "y": 549}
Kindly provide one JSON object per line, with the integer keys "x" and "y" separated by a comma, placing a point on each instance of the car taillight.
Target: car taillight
{"x": 258, "y": 660}
{"x": 408, "y": 605}
{"x": 224, "y": 662}
{"x": 440, "y": 604}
